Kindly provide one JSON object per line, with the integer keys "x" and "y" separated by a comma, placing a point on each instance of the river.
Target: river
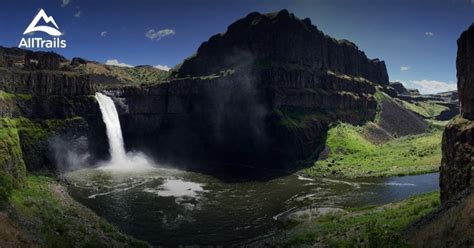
{"x": 170, "y": 207}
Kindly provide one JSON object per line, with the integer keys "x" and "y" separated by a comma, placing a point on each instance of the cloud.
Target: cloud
{"x": 78, "y": 14}
{"x": 404, "y": 68}
{"x": 103, "y": 33}
{"x": 429, "y": 86}
{"x": 431, "y": 33}
{"x": 162, "y": 67}
{"x": 117, "y": 63}
{"x": 65, "y": 3}
{"x": 157, "y": 35}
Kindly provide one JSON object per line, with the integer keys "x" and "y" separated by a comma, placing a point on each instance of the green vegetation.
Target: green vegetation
{"x": 11, "y": 156}
{"x": 352, "y": 155}
{"x": 7, "y": 184}
{"x": 428, "y": 109}
{"x": 367, "y": 227}
{"x": 61, "y": 222}
{"x": 298, "y": 118}
{"x": 6, "y": 96}
{"x": 126, "y": 75}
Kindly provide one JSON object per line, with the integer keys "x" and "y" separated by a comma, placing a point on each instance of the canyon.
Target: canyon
{"x": 249, "y": 99}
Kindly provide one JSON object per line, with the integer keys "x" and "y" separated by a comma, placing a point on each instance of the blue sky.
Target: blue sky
{"x": 416, "y": 39}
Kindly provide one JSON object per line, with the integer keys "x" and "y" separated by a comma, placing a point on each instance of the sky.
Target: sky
{"x": 415, "y": 38}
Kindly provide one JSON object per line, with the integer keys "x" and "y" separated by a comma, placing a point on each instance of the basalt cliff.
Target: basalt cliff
{"x": 254, "y": 96}
{"x": 452, "y": 225}
{"x": 249, "y": 96}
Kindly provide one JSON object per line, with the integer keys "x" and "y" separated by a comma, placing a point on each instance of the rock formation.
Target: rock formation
{"x": 465, "y": 67}
{"x": 399, "y": 88}
{"x": 262, "y": 93}
{"x": 286, "y": 40}
{"x": 458, "y": 139}
{"x": 46, "y": 108}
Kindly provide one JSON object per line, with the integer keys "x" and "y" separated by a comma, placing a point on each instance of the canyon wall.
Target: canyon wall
{"x": 458, "y": 139}
{"x": 47, "y": 115}
{"x": 263, "y": 93}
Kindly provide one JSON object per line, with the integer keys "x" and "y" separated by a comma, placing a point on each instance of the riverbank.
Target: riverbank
{"x": 373, "y": 226}
{"x": 42, "y": 214}
{"x": 351, "y": 153}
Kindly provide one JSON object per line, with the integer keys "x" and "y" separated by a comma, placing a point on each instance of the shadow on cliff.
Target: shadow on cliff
{"x": 223, "y": 126}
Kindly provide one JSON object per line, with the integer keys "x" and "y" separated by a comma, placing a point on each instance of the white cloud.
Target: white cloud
{"x": 429, "y": 86}
{"x": 157, "y": 35}
{"x": 431, "y": 33}
{"x": 103, "y": 33}
{"x": 117, "y": 63}
{"x": 404, "y": 68}
{"x": 162, "y": 67}
{"x": 78, "y": 14}
{"x": 65, "y": 3}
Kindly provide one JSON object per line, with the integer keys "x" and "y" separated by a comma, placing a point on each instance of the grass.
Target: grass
{"x": 428, "y": 109}
{"x": 134, "y": 75}
{"x": 366, "y": 227}
{"x": 59, "y": 221}
{"x": 11, "y": 156}
{"x": 9, "y": 96}
{"x": 351, "y": 155}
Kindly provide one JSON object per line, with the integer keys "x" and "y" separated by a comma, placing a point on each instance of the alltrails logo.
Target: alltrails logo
{"x": 38, "y": 42}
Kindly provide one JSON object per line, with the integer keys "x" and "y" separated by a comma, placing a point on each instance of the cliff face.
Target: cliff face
{"x": 281, "y": 38}
{"x": 458, "y": 139}
{"x": 465, "y": 67}
{"x": 263, "y": 93}
{"x": 48, "y": 115}
{"x": 45, "y": 83}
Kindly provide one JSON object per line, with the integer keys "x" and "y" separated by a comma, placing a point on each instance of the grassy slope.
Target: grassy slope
{"x": 428, "y": 109}
{"x": 51, "y": 214}
{"x": 135, "y": 75}
{"x": 352, "y": 155}
{"x": 368, "y": 227}
{"x": 39, "y": 208}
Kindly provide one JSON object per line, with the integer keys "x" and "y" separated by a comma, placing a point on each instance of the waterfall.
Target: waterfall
{"x": 112, "y": 124}
{"x": 119, "y": 161}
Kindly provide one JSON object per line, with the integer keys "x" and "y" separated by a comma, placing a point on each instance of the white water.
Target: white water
{"x": 119, "y": 159}
{"x": 112, "y": 123}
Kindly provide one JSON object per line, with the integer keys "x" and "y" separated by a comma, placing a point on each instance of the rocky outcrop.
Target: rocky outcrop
{"x": 44, "y": 83}
{"x": 465, "y": 67}
{"x": 399, "y": 88}
{"x": 281, "y": 38}
{"x": 458, "y": 139}
{"x": 458, "y": 153}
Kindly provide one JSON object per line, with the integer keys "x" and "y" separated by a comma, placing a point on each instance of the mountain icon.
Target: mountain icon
{"x": 47, "y": 29}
